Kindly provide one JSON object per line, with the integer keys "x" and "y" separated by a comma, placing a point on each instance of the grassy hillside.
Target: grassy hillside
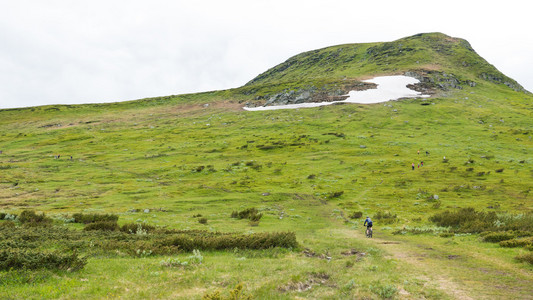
{"x": 169, "y": 162}
{"x": 438, "y": 57}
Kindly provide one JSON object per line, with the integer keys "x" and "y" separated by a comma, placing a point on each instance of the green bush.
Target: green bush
{"x": 254, "y": 165}
{"x": 264, "y": 240}
{"x": 106, "y": 238}
{"x": 245, "y": 213}
{"x": 31, "y": 218}
{"x": 446, "y": 234}
{"x": 251, "y": 214}
{"x": 93, "y": 218}
{"x": 465, "y": 220}
{"x": 336, "y": 194}
{"x": 7, "y": 224}
{"x": 102, "y": 225}
{"x": 202, "y": 221}
{"x": 469, "y": 220}
{"x": 137, "y": 228}
{"x": 496, "y": 237}
{"x": 255, "y": 218}
{"x": 519, "y": 222}
{"x": 356, "y": 215}
{"x": 386, "y": 217}
{"x": 520, "y": 242}
{"x": 527, "y": 257}
{"x": 32, "y": 259}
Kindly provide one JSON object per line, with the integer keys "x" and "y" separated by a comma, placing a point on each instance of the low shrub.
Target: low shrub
{"x": 496, "y": 237}
{"x": 255, "y": 218}
{"x": 264, "y": 240}
{"x": 251, "y": 214}
{"x": 102, "y": 225}
{"x": 31, "y": 259}
{"x": 526, "y": 257}
{"x": 93, "y": 218}
{"x": 106, "y": 238}
{"x": 519, "y": 222}
{"x": 356, "y": 215}
{"x": 386, "y": 217}
{"x": 253, "y": 164}
{"x": 7, "y": 224}
{"x": 31, "y": 218}
{"x": 137, "y": 228}
{"x": 244, "y": 214}
{"x": 336, "y": 194}
{"x": 519, "y": 242}
{"x": 468, "y": 220}
{"x": 465, "y": 220}
{"x": 202, "y": 221}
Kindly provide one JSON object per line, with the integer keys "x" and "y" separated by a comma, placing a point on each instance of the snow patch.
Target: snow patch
{"x": 389, "y": 88}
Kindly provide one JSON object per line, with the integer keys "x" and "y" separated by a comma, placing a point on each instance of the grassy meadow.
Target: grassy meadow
{"x": 305, "y": 170}
{"x": 186, "y": 163}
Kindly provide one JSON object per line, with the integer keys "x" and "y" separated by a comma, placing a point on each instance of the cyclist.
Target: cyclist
{"x": 368, "y": 224}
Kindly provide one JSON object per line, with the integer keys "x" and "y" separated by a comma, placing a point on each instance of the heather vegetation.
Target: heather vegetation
{"x": 189, "y": 196}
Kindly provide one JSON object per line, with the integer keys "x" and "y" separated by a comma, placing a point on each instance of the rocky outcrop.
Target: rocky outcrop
{"x": 503, "y": 80}
{"x": 445, "y": 81}
{"x": 312, "y": 94}
{"x": 436, "y": 79}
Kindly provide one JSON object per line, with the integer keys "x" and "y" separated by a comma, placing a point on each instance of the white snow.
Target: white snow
{"x": 389, "y": 88}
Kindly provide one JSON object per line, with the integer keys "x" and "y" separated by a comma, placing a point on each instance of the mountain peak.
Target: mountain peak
{"x": 432, "y": 53}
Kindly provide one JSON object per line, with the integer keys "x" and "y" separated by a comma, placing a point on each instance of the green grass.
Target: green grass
{"x": 332, "y": 66}
{"x": 165, "y": 160}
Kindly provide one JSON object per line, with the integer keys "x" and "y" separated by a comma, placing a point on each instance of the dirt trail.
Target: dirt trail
{"x": 404, "y": 253}
{"x": 459, "y": 273}
{"x": 443, "y": 283}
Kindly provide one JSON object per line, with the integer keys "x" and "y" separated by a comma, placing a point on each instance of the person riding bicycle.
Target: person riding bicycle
{"x": 368, "y": 224}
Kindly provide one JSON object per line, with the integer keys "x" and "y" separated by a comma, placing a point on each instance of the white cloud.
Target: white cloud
{"x": 101, "y": 51}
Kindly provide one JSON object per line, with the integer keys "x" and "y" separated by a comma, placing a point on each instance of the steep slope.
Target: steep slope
{"x": 439, "y": 61}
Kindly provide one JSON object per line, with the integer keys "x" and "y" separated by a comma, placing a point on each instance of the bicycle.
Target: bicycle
{"x": 368, "y": 232}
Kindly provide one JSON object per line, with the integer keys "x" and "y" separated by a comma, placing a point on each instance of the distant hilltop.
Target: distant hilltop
{"x": 439, "y": 61}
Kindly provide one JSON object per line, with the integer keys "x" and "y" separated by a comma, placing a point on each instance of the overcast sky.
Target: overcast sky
{"x": 66, "y": 52}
